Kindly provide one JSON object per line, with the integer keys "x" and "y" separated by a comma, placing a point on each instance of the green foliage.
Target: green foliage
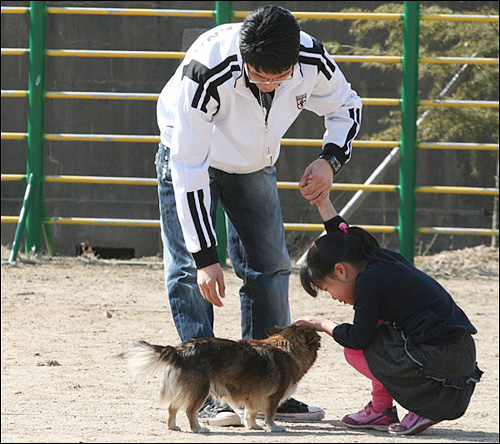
{"x": 437, "y": 39}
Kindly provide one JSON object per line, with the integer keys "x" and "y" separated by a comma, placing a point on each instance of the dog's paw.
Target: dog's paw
{"x": 275, "y": 428}
{"x": 254, "y": 426}
{"x": 202, "y": 430}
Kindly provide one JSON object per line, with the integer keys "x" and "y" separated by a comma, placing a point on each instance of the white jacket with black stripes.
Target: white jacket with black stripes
{"x": 208, "y": 117}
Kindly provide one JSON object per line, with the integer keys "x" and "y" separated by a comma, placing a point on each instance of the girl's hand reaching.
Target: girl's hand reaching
{"x": 323, "y": 204}
{"x": 320, "y": 324}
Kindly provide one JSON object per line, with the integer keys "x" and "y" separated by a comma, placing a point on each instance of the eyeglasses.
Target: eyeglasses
{"x": 282, "y": 78}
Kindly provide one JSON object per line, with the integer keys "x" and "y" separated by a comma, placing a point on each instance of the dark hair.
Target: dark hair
{"x": 354, "y": 247}
{"x": 270, "y": 39}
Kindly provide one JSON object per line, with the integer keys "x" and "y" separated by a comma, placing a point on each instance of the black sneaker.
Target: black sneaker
{"x": 213, "y": 413}
{"x": 293, "y": 410}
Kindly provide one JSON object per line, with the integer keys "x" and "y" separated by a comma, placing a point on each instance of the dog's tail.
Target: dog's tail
{"x": 144, "y": 358}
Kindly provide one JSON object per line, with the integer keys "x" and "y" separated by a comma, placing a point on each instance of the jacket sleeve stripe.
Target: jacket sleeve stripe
{"x": 316, "y": 56}
{"x": 209, "y": 79}
{"x": 319, "y": 64}
{"x": 196, "y": 219}
{"x": 355, "y": 114}
{"x": 212, "y": 87}
{"x": 206, "y": 220}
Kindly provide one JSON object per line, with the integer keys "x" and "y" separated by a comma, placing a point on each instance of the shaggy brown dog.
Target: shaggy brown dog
{"x": 258, "y": 374}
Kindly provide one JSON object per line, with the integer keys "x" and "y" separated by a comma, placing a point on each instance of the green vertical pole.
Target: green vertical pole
{"x": 409, "y": 97}
{"x": 223, "y": 14}
{"x": 36, "y": 86}
{"x": 28, "y": 198}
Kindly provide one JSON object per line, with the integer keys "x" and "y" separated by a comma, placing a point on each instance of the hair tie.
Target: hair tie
{"x": 343, "y": 227}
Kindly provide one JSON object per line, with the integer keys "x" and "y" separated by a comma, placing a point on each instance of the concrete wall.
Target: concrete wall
{"x": 138, "y": 117}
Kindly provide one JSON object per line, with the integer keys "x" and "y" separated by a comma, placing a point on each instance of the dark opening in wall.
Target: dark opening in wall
{"x": 105, "y": 252}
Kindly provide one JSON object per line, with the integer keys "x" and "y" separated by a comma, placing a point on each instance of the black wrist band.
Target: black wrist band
{"x": 333, "y": 161}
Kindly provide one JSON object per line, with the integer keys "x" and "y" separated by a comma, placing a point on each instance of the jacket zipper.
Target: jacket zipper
{"x": 267, "y": 156}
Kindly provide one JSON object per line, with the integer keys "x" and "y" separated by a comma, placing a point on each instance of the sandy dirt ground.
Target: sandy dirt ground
{"x": 63, "y": 319}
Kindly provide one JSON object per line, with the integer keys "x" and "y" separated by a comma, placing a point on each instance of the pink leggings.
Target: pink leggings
{"x": 380, "y": 397}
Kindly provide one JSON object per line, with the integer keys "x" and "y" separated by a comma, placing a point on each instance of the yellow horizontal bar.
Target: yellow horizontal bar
{"x": 132, "y": 12}
{"x": 355, "y": 143}
{"x": 151, "y": 181}
{"x": 102, "y": 138}
{"x": 156, "y": 139}
{"x": 321, "y": 227}
{"x": 337, "y": 15}
{"x": 15, "y": 51}
{"x": 13, "y": 177}
{"x": 10, "y": 219}
{"x": 284, "y": 142}
{"x": 102, "y": 221}
{"x": 15, "y": 9}
{"x": 156, "y": 223}
{"x": 463, "y": 18}
{"x": 375, "y": 143}
{"x": 105, "y": 53}
{"x": 99, "y": 95}
{"x": 381, "y": 101}
{"x": 102, "y": 180}
{"x": 343, "y": 186}
{"x": 460, "y": 60}
{"x": 389, "y": 188}
{"x": 14, "y": 136}
{"x": 458, "y": 146}
{"x": 242, "y": 14}
{"x": 368, "y": 59}
{"x": 379, "y": 228}
{"x": 357, "y": 186}
{"x": 181, "y": 54}
{"x": 145, "y": 96}
{"x": 288, "y": 226}
{"x": 460, "y": 103}
{"x": 281, "y": 185}
{"x": 303, "y": 227}
{"x": 452, "y": 230}
{"x": 14, "y": 93}
{"x": 457, "y": 190}
{"x": 154, "y": 96}
{"x": 302, "y": 142}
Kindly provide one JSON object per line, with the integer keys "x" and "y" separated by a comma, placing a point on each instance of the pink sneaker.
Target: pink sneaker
{"x": 370, "y": 419}
{"x": 412, "y": 424}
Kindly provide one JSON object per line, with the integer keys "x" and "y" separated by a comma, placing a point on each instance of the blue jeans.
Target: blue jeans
{"x": 256, "y": 246}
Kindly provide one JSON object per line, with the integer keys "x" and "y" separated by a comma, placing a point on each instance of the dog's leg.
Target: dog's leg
{"x": 249, "y": 417}
{"x": 270, "y": 413}
{"x": 172, "y": 414}
{"x": 192, "y": 414}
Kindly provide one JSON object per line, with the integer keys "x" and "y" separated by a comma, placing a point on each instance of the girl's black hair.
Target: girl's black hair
{"x": 355, "y": 247}
{"x": 270, "y": 39}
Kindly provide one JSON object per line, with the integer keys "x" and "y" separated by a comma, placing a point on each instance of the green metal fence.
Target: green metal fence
{"x": 33, "y": 218}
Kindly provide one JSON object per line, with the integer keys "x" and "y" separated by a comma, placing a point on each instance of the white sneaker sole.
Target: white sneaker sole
{"x": 314, "y": 414}
{"x": 223, "y": 419}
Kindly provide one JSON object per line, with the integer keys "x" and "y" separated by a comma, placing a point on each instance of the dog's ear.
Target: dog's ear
{"x": 273, "y": 331}
{"x": 312, "y": 336}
